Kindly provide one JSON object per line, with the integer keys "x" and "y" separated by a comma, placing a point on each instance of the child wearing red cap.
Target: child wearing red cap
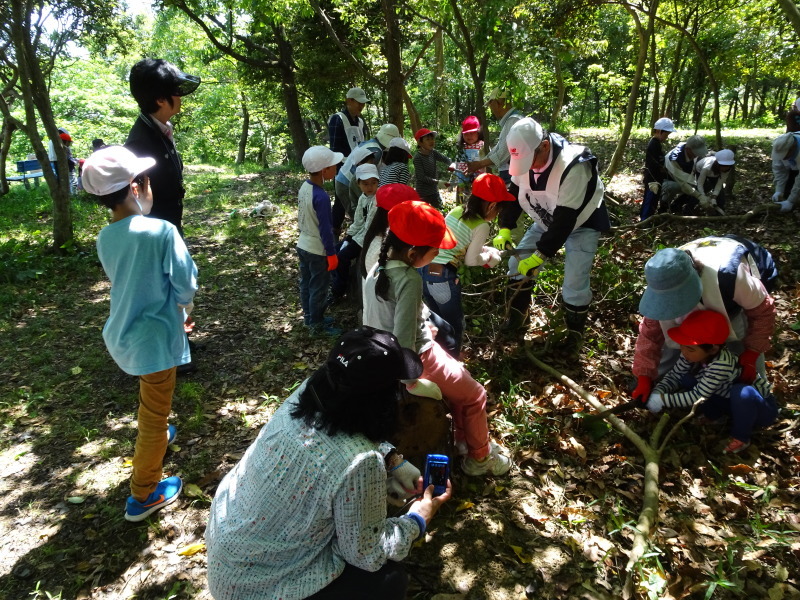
{"x": 470, "y": 225}
{"x": 425, "y": 172}
{"x": 706, "y": 369}
{"x": 471, "y": 148}
{"x": 393, "y": 302}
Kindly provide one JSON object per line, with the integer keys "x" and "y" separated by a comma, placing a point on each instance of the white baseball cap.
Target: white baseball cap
{"x": 664, "y": 124}
{"x": 367, "y": 171}
{"x": 357, "y": 94}
{"x": 399, "y": 142}
{"x": 523, "y": 139}
{"x": 386, "y": 133}
{"x": 317, "y": 158}
{"x": 725, "y": 157}
{"x": 111, "y": 169}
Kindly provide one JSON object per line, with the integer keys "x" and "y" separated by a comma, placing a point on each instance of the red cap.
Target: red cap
{"x": 470, "y": 124}
{"x": 65, "y": 136}
{"x": 491, "y": 188}
{"x": 390, "y": 195}
{"x": 701, "y": 327}
{"x": 423, "y": 132}
{"x": 419, "y": 224}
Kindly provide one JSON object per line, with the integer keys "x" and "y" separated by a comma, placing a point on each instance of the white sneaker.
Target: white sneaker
{"x": 497, "y": 463}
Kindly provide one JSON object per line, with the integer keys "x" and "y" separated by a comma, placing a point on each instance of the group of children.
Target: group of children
{"x": 685, "y": 178}
{"x": 408, "y": 254}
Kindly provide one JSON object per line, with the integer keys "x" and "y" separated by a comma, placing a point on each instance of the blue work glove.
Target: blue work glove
{"x": 503, "y": 237}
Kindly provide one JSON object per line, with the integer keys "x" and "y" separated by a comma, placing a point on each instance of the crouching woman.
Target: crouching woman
{"x": 303, "y": 514}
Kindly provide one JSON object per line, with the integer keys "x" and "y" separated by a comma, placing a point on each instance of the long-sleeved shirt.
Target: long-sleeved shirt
{"x": 397, "y": 172}
{"x": 314, "y": 220}
{"x": 782, "y": 169}
{"x": 654, "y": 169}
{"x": 427, "y": 183}
{"x": 151, "y": 272}
{"x": 499, "y": 155}
{"x": 680, "y": 168}
{"x": 713, "y": 379}
{"x": 470, "y": 239}
{"x": 299, "y": 505}
{"x": 710, "y": 179}
{"x": 362, "y": 216}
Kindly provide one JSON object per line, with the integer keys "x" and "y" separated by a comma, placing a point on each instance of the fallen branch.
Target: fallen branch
{"x": 651, "y": 451}
{"x": 668, "y": 218}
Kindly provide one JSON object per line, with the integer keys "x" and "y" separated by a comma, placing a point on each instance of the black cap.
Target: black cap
{"x": 161, "y": 79}
{"x": 372, "y": 358}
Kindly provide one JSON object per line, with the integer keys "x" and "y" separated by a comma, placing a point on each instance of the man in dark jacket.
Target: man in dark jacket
{"x": 158, "y": 86}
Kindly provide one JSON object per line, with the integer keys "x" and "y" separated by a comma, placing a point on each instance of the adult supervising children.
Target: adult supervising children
{"x": 785, "y": 150}
{"x": 679, "y": 193}
{"x": 557, "y": 184}
{"x": 499, "y": 102}
{"x": 153, "y": 282}
{"x": 158, "y": 87}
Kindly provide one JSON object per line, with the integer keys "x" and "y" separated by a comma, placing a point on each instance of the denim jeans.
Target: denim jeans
{"x": 347, "y": 252}
{"x": 580, "y": 248}
{"x": 314, "y": 283}
{"x": 442, "y": 294}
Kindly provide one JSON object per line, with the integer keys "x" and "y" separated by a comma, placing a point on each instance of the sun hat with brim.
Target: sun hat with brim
{"x": 701, "y": 327}
{"x": 387, "y": 133}
{"x": 370, "y": 358}
{"x": 317, "y": 158}
{"x": 112, "y": 168}
{"x": 725, "y": 157}
{"x": 390, "y": 195}
{"x": 492, "y": 188}
{"x": 664, "y": 124}
{"x": 423, "y": 132}
{"x": 523, "y": 139}
{"x": 367, "y": 171}
{"x": 419, "y": 224}
{"x": 673, "y": 286}
{"x": 781, "y": 145}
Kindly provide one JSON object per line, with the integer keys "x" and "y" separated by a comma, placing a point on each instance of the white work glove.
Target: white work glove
{"x": 424, "y": 388}
{"x": 704, "y": 201}
{"x": 777, "y": 197}
{"x": 713, "y": 200}
{"x": 655, "y": 402}
{"x": 786, "y": 206}
{"x": 493, "y": 257}
{"x": 688, "y": 188}
{"x": 187, "y": 307}
{"x": 401, "y": 483}
{"x": 654, "y": 186}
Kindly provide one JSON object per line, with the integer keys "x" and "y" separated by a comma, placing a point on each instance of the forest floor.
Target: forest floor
{"x": 558, "y": 526}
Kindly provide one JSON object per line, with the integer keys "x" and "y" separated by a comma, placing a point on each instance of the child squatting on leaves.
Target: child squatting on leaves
{"x": 393, "y": 302}
{"x": 706, "y": 369}
{"x": 153, "y": 282}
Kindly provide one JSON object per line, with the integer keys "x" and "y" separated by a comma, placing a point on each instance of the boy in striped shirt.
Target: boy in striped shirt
{"x": 706, "y": 369}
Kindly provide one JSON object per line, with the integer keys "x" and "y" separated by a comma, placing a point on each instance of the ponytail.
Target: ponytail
{"x": 382, "y": 285}
{"x": 377, "y": 227}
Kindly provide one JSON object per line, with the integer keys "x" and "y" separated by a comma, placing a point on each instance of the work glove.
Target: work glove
{"x": 786, "y": 206}
{"x": 333, "y": 262}
{"x": 654, "y": 186}
{"x": 642, "y": 391}
{"x": 688, "y": 188}
{"x": 777, "y": 197}
{"x": 442, "y": 185}
{"x": 528, "y": 266}
{"x": 493, "y": 257}
{"x": 188, "y": 307}
{"x": 425, "y": 388}
{"x": 705, "y": 202}
{"x": 401, "y": 483}
{"x": 747, "y": 360}
{"x": 713, "y": 200}
{"x": 655, "y": 403}
{"x": 503, "y": 237}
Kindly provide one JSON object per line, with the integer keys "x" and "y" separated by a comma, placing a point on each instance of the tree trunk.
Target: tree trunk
{"x": 657, "y": 112}
{"x": 289, "y": 91}
{"x": 641, "y": 60}
{"x": 792, "y": 13}
{"x": 394, "y": 77}
{"x": 240, "y": 156}
{"x": 561, "y": 92}
{"x": 5, "y": 144}
{"x": 413, "y": 113}
{"x": 440, "y": 93}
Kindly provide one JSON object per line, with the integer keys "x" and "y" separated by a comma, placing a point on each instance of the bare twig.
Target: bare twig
{"x": 668, "y": 217}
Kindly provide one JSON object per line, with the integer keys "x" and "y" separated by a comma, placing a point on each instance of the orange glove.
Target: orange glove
{"x": 333, "y": 262}
{"x": 643, "y": 387}
{"x": 747, "y": 360}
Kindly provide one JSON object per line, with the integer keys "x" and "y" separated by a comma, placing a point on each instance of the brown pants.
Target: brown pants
{"x": 155, "y": 403}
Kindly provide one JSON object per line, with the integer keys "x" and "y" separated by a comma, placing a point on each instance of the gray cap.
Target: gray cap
{"x": 697, "y": 145}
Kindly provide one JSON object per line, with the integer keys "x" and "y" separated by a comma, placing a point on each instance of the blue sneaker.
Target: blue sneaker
{"x": 172, "y": 433}
{"x": 165, "y": 493}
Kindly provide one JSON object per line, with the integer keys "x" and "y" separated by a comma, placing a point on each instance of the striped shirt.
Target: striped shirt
{"x": 470, "y": 237}
{"x": 397, "y": 172}
{"x": 425, "y": 172}
{"x": 713, "y": 379}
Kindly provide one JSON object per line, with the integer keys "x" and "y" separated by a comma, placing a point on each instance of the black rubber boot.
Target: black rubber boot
{"x": 575, "y": 318}
{"x": 519, "y": 307}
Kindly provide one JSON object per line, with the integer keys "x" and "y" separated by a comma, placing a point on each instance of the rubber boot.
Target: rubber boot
{"x": 518, "y": 309}
{"x": 575, "y": 318}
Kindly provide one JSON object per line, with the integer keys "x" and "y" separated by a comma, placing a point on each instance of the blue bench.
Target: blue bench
{"x": 30, "y": 169}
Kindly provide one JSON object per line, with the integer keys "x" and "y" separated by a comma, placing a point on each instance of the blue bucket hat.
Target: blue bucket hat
{"x": 673, "y": 285}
